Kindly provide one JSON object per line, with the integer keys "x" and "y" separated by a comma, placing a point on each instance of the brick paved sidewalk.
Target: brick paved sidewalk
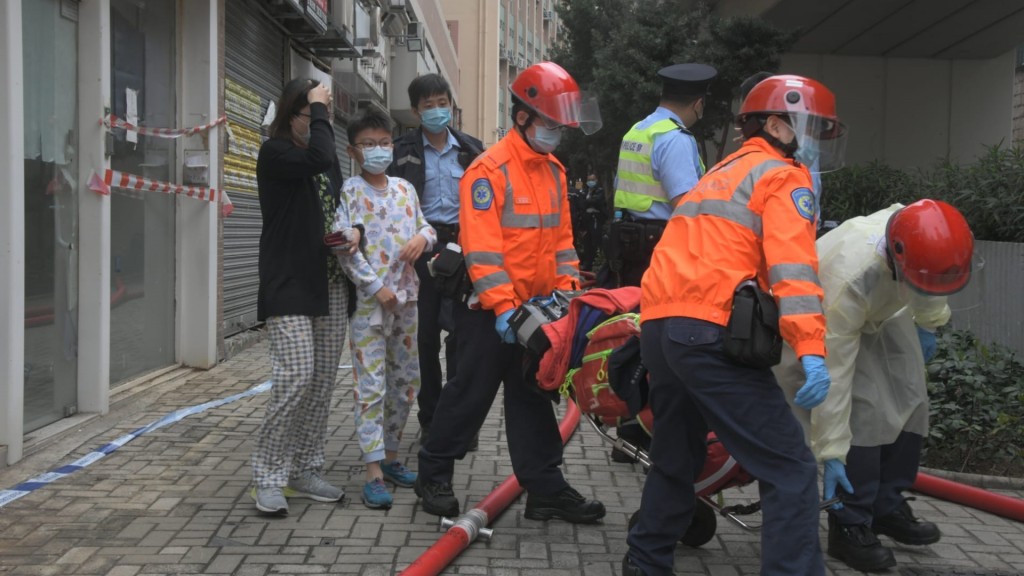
{"x": 175, "y": 501}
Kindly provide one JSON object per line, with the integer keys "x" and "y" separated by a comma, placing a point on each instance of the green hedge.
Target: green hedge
{"x": 990, "y": 192}
{"x": 977, "y": 407}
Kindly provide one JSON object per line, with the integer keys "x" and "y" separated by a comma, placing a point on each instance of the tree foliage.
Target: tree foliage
{"x": 616, "y": 47}
{"x": 989, "y": 191}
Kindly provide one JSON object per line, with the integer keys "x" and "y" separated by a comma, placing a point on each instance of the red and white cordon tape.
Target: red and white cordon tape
{"x": 112, "y": 121}
{"x": 123, "y": 180}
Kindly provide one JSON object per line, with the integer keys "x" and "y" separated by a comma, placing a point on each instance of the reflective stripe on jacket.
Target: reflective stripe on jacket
{"x": 636, "y": 188}
{"x": 516, "y": 230}
{"x": 749, "y": 217}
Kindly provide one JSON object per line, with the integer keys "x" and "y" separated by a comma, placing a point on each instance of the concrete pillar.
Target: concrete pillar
{"x": 197, "y": 221}
{"x": 12, "y": 234}
{"x": 93, "y": 209}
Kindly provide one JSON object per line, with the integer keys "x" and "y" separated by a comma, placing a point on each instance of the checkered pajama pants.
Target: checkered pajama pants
{"x": 305, "y": 351}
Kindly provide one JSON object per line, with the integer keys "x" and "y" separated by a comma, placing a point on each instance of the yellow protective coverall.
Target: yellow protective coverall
{"x": 874, "y": 353}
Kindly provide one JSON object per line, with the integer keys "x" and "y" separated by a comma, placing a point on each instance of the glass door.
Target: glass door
{"x": 50, "y": 36}
{"x": 142, "y": 232}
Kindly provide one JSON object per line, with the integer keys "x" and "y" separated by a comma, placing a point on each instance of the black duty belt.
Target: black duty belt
{"x": 637, "y": 236}
{"x": 446, "y": 233}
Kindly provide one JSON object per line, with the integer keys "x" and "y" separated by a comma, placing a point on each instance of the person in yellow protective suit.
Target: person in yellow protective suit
{"x": 886, "y": 277}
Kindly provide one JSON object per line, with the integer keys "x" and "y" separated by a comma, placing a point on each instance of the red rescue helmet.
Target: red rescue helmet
{"x": 931, "y": 247}
{"x": 547, "y": 89}
{"x": 810, "y": 109}
{"x": 788, "y": 94}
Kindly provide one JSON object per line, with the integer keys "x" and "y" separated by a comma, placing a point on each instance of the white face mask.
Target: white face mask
{"x": 377, "y": 159}
{"x": 545, "y": 140}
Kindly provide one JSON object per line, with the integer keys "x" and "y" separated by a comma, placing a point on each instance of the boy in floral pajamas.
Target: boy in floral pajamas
{"x": 382, "y": 331}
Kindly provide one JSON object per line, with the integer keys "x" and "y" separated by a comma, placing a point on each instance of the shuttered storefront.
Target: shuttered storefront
{"x": 341, "y": 146}
{"x": 254, "y": 63}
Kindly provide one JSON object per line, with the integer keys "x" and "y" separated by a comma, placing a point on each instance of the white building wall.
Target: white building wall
{"x": 197, "y": 223}
{"x": 910, "y": 112}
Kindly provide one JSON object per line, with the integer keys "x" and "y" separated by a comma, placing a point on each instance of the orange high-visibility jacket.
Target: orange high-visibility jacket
{"x": 515, "y": 228}
{"x": 751, "y": 216}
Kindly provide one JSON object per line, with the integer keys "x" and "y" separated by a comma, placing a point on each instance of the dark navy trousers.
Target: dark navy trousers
{"x": 879, "y": 475}
{"x": 429, "y": 305}
{"x": 692, "y": 382}
{"x": 484, "y": 363}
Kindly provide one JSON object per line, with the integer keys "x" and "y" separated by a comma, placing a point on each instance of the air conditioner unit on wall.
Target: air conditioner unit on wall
{"x": 342, "y": 15}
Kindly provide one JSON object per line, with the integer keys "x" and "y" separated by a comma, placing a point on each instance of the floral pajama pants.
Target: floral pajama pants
{"x": 387, "y": 374}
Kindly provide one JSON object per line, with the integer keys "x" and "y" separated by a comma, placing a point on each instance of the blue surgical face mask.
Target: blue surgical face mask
{"x": 545, "y": 140}
{"x": 808, "y": 153}
{"x": 376, "y": 160}
{"x": 435, "y": 120}
{"x": 591, "y": 183}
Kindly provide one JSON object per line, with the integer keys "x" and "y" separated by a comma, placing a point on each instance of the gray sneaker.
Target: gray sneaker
{"x": 310, "y": 485}
{"x": 270, "y": 501}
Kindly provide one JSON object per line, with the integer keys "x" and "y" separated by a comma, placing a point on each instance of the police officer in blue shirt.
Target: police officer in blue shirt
{"x": 433, "y": 158}
{"x": 658, "y": 163}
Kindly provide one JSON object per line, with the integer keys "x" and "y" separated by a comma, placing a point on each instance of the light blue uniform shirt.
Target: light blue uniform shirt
{"x": 675, "y": 163}
{"x": 441, "y": 190}
{"x": 816, "y": 190}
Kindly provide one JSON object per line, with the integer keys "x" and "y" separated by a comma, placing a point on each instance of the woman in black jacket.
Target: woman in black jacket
{"x": 303, "y": 296}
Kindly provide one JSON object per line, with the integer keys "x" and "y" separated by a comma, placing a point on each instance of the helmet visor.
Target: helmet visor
{"x": 821, "y": 142}
{"x": 573, "y": 109}
{"x": 964, "y": 287}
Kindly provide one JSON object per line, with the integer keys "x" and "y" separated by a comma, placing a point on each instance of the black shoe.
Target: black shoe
{"x": 635, "y": 435}
{"x": 630, "y": 569}
{"x": 474, "y": 444}
{"x": 437, "y": 499}
{"x": 566, "y": 504}
{"x": 856, "y": 545}
{"x": 902, "y": 526}
{"x": 622, "y": 457}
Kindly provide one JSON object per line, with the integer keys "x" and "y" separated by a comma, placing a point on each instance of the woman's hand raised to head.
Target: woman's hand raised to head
{"x": 319, "y": 93}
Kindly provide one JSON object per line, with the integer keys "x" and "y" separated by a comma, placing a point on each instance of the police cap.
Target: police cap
{"x": 687, "y": 79}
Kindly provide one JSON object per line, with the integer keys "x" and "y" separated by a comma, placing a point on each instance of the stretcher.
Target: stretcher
{"x": 608, "y": 393}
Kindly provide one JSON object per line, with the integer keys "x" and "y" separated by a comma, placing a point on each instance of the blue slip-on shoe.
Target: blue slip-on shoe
{"x": 396, "y": 473}
{"x": 376, "y": 494}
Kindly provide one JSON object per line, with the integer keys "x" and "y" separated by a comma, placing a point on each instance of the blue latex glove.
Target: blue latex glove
{"x": 504, "y": 330}
{"x": 928, "y": 345}
{"x": 835, "y": 475}
{"x": 815, "y": 389}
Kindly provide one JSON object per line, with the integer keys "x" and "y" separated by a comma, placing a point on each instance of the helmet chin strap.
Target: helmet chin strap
{"x": 787, "y": 149}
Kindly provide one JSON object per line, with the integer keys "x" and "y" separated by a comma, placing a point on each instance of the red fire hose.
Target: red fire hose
{"x": 1005, "y": 506}
{"x": 462, "y": 532}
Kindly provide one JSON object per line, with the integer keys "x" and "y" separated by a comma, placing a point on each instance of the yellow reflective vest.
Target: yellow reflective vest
{"x": 637, "y": 189}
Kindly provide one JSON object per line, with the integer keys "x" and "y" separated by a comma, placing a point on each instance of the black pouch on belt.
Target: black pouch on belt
{"x": 752, "y": 335}
{"x": 448, "y": 268}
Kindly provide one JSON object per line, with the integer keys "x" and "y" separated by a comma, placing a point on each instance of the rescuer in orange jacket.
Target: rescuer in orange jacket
{"x": 750, "y": 218}
{"x": 518, "y": 242}
{"x": 516, "y": 234}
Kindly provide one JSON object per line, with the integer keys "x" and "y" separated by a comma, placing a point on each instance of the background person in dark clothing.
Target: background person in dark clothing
{"x": 593, "y": 215}
{"x": 303, "y": 296}
{"x": 433, "y": 158}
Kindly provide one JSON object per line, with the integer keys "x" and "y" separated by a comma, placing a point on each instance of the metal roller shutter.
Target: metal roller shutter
{"x": 341, "y": 145}
{"x": 254, "y": 64}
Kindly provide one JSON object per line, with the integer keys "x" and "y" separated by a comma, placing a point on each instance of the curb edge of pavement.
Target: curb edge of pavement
{"x": 978, "y": 480}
